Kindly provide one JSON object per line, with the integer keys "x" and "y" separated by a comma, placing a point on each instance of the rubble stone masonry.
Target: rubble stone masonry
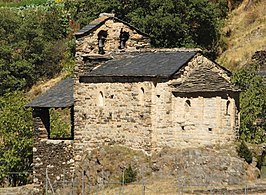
{"x": 52, "y": 159}
{"x": 89, "y": 44}
{"x": 149, "y": 116}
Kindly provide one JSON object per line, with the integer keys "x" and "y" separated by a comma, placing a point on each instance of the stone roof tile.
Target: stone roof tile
{"x": 59, "y": 96}
{"x": 204, "y": 80}
{"x": 148, "y": 64}
{"x": 101, "y": 20}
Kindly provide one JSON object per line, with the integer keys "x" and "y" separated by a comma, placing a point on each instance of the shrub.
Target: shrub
{"x": 252, "y": 104}
{"x": 261, "y": 159}
{"x": 15, "y": 139}
{"x": 244, "y": 152}
{"x": 129, "y": 175}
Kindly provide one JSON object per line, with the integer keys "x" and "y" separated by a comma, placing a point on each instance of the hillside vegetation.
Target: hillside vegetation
{"x": 37, "y": 45}
{"x": 17, "y": 3}
{"x": 244, "y": 33}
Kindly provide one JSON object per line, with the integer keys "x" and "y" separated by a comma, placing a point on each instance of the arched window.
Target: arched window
{"x": 141, "y": 96}
{"x": 227, "y": 110}
{"x": 102, "y": 35}
{"x": 101, "y": 99}
{"x": 124, "y": 36}
{"x": 187, "y": 105}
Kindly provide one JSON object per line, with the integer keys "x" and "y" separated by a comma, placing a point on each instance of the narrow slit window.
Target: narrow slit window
{"x": 141, "y": 96}
{"x": 101, "y": 99}
{"x": 227, "y": 111}
{"x": 142, "y": 90}
{"x": 187, "y": 105}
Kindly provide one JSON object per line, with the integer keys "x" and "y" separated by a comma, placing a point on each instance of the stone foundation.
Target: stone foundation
{"x": 52, "y": 158}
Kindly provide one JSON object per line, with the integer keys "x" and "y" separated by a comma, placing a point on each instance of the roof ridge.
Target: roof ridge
{"x": 155, "y": 50}
{"x": 99, "y": 21}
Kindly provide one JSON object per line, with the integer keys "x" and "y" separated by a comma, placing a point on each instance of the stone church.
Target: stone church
{"x": 125, "y": 92}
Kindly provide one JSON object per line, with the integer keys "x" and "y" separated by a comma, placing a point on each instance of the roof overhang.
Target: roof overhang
{"x": 59, "y": 96}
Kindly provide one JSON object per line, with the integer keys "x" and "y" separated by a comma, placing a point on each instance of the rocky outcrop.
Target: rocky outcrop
{"x": 260, "y": 57}
{"x": 208, "y": 166}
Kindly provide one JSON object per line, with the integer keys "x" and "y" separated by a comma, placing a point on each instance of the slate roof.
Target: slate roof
{"x": 98, "y": 22}
{"x": 204, "y": 80}
{"x": 148, "y": 64}
{"x": 92, "y": 25}
{"x": 59, "y": 96}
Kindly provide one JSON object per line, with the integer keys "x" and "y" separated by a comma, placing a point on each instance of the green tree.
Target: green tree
{"x": 129, "y": 175}
{"x": 33, "y": 44}
{"x": 15, "y": 71}
{"x": 252, "y": 104}
{"x": 171, "y": 23}
{"x": 60, "y": 123}
{"x": 244, "y": 152}
{"x": 16, "y": 138}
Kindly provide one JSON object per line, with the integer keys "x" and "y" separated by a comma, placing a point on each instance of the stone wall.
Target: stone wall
{"x": 87, "y": 49}
{"x": 149, "y": 116}
{"x": 89, "y": 44}
{"x": 109, "y": 113}
{"x": 194, "y": 119}
{"x": 53, "y": 156}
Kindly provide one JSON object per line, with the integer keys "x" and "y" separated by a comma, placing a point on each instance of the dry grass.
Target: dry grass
{"x": 169, "y": 186}
{"x": 245, "y": 33}
{"x": 156, "y": 186}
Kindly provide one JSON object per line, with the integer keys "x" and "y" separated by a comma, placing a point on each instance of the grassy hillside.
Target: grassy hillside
{"x": 18, "y": 3}
{"x": 244, "y": 34}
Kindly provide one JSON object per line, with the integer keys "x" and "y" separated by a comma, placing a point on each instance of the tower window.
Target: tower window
{"x": 124, "y": 36}
{"x": 102, "y": 35}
